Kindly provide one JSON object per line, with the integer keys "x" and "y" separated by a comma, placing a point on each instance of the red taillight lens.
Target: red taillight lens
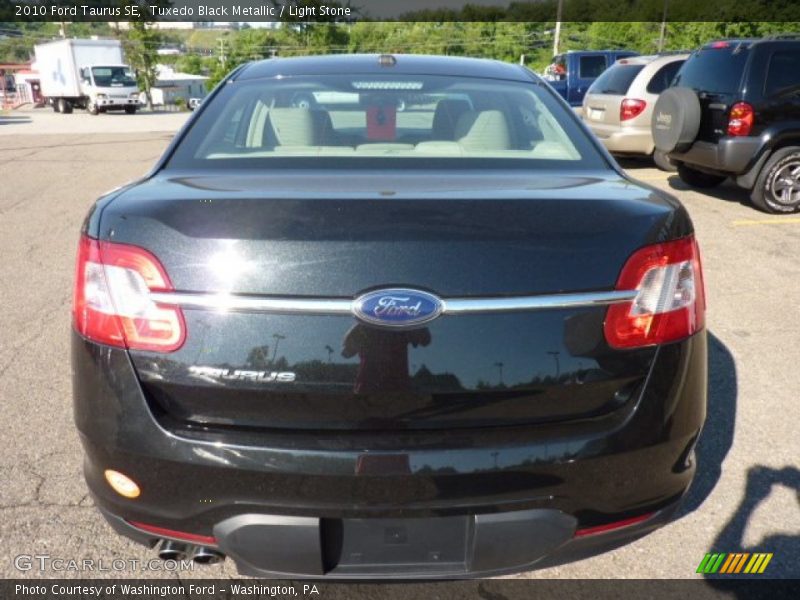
{"x": 670, "y": 301}
{"x": 112, "y": 303}
{"x": 612, "y": 526}
{"x": 741, "y": 119}
{"x": 630, "y": 108}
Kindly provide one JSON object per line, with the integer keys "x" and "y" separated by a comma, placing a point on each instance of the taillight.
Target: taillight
{"x": 741, "y": 118}
{"x": 630, "y": 108}
{"x": 670, "y": 298}
{"x": 112, "y": 303}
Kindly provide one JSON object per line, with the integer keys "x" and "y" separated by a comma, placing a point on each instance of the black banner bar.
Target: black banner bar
{"x": 399, "y": 10}
{"x": 490, "y": 589}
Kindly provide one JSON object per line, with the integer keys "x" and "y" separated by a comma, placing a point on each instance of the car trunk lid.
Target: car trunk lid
{"x": 324, "y": 236}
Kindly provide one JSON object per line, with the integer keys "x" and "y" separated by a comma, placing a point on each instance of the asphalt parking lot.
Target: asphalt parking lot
{"x": 746, "y": 497}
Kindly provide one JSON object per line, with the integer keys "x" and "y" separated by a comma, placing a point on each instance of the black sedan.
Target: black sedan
{"x": 347, "y": 340}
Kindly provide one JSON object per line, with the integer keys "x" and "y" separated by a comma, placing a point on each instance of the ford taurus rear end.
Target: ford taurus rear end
{"x": 387, "y": 317}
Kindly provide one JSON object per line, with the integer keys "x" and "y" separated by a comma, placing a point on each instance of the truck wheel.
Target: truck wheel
{"x": 777, "y": 188}
{"x": 699, "y": 179}
{"x": 663, "y": 162}
{"x": 131, "y": 110}
{"x": 55, "y": 106}
{"x": 91, "y": 108}
{"x": 64, "y": 106}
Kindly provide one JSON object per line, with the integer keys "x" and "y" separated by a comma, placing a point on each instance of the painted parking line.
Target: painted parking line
{"x": 778, "y": 221}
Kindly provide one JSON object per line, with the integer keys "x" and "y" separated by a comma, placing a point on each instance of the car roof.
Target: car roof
{"x": 404, "y": 64}
{"x": 612, "y": 51}
{"x": 651, "y": 58}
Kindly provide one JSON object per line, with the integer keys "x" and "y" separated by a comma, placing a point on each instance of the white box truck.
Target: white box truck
{"x": 89, "y": 74}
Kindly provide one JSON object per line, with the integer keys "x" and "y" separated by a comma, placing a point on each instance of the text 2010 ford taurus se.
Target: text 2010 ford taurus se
{"x": 378, "y": 316}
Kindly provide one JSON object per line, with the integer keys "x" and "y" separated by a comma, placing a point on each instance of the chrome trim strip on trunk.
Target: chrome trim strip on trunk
{"x": 461, "y": 306}
{"x": 336, "y": 306}
{"x": 238, "y": 303}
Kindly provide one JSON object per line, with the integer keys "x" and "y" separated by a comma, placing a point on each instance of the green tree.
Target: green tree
{"x": 190, "y": 63}
{"x": 141, "y": 44}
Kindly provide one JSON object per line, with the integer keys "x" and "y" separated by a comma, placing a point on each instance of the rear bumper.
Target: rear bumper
{"x": 430, "y": 548}
{"x": 463, "y": 502}
{"x": 729, "y": 156}
{"x": 623, "y": 140}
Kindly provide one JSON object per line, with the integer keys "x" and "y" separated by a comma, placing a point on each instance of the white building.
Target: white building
{"x": 171, "y": 85}
{"x": 124, "y": 25}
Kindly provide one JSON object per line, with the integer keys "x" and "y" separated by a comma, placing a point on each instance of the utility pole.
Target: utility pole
{"x": 663, "y": 35}
{"x": 554, "y": 354}
{"x": 221, "y": 50}
{"x": 278, "y": 337}
{"x": 557, "y": 36}
{"x": 500, "y": 366}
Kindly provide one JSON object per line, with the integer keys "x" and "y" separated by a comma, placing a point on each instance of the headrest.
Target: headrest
{"x": 292, "y": 126}
{"x": 446, "y": 117}
{"x": 483, "y": 130}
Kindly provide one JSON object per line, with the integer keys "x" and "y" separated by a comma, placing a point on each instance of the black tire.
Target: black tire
{"x": 55, "y": 106}
{"x": 64, "y": 106}
{"x": 131, "y": 110}
{"x": 91, "y": 108}
{"x": 676, "y": 119}
{"x": 699, "y": 179}
{"x": 777, "y": 187}
{"x": 663, "y": 162}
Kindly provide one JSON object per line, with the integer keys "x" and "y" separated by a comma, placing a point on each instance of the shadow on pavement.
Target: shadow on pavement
{"x": 630, "y": 162}
{"x": 717, "y": 436}
{"x": 727, "y": 191}
{"x": 784, "y": 546}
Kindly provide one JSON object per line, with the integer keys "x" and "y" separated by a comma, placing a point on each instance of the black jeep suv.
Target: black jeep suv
{"x": 734, "y": 111}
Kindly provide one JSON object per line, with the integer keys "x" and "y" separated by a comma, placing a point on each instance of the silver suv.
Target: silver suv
{"x": 619, "y": 104}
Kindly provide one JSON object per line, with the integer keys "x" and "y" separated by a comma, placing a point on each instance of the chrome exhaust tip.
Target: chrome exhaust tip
{"x": 170, "y": 550}
{"x": 204, "y": 555}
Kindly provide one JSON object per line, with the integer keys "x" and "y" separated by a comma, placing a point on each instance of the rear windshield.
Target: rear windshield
{"x": 360, "y": 119}
{"x": 616, "y": 80}
{"x": 714, "y": 70}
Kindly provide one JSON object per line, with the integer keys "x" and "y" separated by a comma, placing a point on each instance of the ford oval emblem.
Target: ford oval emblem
{"x": 397, "y": 307}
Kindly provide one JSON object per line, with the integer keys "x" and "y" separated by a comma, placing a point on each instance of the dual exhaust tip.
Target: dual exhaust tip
{"x": 201, "y": 555}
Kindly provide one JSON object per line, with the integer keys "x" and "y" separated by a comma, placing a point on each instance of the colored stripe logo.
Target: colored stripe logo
{"x": 732, "y": 563}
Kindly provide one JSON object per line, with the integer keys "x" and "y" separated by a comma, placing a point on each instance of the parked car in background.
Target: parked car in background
{"x": 573, "y": 72}
{"x": 734, "y": 111}
{"x": 352, "y": 342}
{"x": 619, "y": 104}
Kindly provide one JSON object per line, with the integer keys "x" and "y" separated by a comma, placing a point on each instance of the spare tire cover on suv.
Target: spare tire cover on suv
{"x": 676, "y": 119}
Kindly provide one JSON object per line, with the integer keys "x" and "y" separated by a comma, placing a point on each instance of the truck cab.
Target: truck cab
{"x": 571, "y": 73}
{"x": 109, "y": 87}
